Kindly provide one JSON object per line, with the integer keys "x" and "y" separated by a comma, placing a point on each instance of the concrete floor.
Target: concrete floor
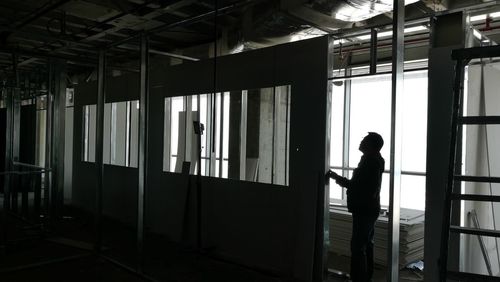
{"x": 72, "y": 259}
{"x": 341, "y": 263}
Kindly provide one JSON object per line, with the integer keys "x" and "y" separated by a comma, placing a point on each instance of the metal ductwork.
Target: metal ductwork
{"x": 353, "y": 10}
{"x": 272, "y": 22}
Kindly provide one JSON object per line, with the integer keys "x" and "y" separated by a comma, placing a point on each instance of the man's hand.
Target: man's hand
{"x": 331, "y": 174}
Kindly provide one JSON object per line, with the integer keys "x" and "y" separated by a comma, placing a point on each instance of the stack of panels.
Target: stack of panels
{"x": 411, "y": 243}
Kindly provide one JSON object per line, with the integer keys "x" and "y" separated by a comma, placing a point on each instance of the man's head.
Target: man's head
{"x": 372, "y": 143}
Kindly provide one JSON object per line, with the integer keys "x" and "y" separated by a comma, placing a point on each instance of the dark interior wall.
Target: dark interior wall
{"x": 260, "y": 225}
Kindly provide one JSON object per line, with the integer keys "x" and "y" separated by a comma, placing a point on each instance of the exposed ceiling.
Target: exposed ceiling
{"x": 74, "y": 30}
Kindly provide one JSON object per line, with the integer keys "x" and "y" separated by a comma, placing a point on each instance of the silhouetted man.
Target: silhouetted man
{"x": 363, "y": 201}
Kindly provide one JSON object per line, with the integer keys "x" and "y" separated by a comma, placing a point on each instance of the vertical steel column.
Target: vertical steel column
{"x": 9, "y": 101}
{"x": 323, "y": 217}
{"x": 47, "y": 186}
{"x": 143, "y": 148}
{"x": 396, "y": 139}
{"x": 4, "y": 234}
{"x": 373, "y": 51}
{"x": 243, "y": 134}
{"x": 101, "y": 98}
{"x": 346, "y": 124}
{"x": 15, "y": 124}
{"x": 221, "y": 134}
{"x": 59, "y": 115}
{"x": 448, "y": 32}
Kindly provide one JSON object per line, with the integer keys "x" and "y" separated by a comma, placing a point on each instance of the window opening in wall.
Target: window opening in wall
{"x": 363, "y": 104}
{"x": 246, "y": 134}
{"x": 121, "y": 139}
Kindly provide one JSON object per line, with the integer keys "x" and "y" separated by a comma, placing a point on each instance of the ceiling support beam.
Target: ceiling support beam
{"x": 40, "y": 13}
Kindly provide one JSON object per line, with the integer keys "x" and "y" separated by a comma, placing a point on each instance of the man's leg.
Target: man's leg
{"x": 369, "y": 248}
{"x": 359, "y": 241}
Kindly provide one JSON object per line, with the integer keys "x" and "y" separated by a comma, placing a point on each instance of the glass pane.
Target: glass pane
{"x": 414, "y": 136}
{"x": 265, "y": 135}
{"x": 370, "y": 112}
{"x": 88, "y": 134}
{"x": 413, "y": 192}
{"x": 204, "y": 118}
{"x": 336, "y": 192}
{"x": 384, "y": 191}
{"x": 337, "y": 125}
{"x": 121, "y": 133}
{"x": 107, "y": 134}
{"x": 134, "y": 134}
{"x": 118, "y": 133}
{"x": 176, "y": 132}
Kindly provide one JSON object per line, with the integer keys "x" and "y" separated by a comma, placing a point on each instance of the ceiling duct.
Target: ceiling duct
{"x": 353, "y": 10}
{"x": 273, "y": 22}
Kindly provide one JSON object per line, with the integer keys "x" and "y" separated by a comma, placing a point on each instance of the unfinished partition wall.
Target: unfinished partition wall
{"x": 481, "y": 158}
{"x": 266, "y": 226}
{"x": 120, "y": 153}
{"x": 262, "y": 160}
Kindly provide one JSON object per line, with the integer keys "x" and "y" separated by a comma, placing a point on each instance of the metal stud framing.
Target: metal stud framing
{"x": 396, "y": 139}
{"x": 59, "y": 115}
{"x": 143, "y": 146}
{"x": 101, "y": 94}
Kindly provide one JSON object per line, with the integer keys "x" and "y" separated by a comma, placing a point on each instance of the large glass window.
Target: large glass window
{"x": 246, "y": 134}
{"x": 362, "y": 105}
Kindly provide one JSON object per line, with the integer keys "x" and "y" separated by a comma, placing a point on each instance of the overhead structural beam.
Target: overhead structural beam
{"x": 398, "y": 22}
{"x": 45, "y": 55}
{"x": 40, "y": 13}
{"x": 90, "y": 62}
{"x": 191, "y": 20}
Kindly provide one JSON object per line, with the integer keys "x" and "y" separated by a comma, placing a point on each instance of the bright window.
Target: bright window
{"x": 366, "y": 107}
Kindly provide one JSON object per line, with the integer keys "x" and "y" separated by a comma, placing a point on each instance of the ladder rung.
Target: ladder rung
{"x": 467, "y": 276}
{"x": 472, "y": 197}
{"x": 475, "y": 231}
{"x": 477, "y": 178}
{"x": 479, "y": 120}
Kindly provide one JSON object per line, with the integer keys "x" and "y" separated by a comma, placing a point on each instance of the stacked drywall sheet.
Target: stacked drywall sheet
{"x": 411, "y": 243}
